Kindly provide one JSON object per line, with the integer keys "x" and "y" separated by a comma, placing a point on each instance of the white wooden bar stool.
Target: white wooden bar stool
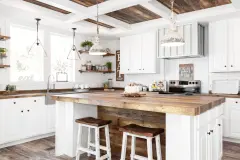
{"x": 96, "y": 124}
{"x": 145, "y": 133}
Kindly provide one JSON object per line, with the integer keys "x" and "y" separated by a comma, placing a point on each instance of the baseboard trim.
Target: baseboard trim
{"x": 231, "y": 140}
{"x": 26, "y": 140}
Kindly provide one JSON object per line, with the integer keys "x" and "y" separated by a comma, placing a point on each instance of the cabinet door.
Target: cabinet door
{"x": 135, "y": 54}
{"x": 2, "y": 104}
{"x": 161, "y": 49}
{"x": 234, "y": 47}
{"x": 234, "y": 121}
{"x": 13, "y": 118}
{"x": 149, "y": 52}
{"x": 34, "y": 117}
{"x": 219, "y": 138}
{"x": 203, "y": 143}
{"x": 187, "y": 30}
{"x": 125, "y": 43}
{"x": 213, "y": 145}
{"x": 218, "y": 46}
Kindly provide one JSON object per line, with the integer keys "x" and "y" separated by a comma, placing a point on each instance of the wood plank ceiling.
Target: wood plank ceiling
{"x": 47, "y": 6}
{"x": 134, "y": 14}
{"x": 87, "y": 3}
{"x": 184, "y": 6}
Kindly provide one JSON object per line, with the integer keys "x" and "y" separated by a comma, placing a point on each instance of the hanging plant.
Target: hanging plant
{"x": 86, "y": 45}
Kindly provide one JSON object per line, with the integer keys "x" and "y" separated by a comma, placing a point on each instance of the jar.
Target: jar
{"x": 89, "y": 65}
{"x": 110, "y": 83}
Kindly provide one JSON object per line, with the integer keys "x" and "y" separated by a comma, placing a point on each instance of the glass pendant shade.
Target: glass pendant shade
{"x": 74, "y": 54}
{"x": 97, "y": 49}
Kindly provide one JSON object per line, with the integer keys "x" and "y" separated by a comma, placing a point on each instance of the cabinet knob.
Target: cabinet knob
{"x": 28, "y": 110}
{"x": 231, "y": 65}
{"x": 209, "y": 133}
{"x": 35, "y": 100}
{"x": 128, "y": 69}
{"x": 236, "y": 101}
{"x": 225, "y": 66}
{"x": 22, "y": 111}
{"x": 143, "y": 68}
{"x": 219, "y": 124}
{"x": 14, "y": 102}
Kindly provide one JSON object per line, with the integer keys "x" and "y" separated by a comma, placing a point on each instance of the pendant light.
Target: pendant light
{"x": 172, "y": 38}
{"x": 37, "y": 43}
{"x": 73, "y": 54}
{"x": 97, "y": 49}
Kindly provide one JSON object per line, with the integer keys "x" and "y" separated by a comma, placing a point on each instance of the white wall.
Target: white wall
{"x": 93, "y": 79}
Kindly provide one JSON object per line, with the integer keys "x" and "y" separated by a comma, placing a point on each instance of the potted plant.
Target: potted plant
{"x": 109, "y": 66}
{"x": 3, "y": 52}
{"x": 86, "y": 45}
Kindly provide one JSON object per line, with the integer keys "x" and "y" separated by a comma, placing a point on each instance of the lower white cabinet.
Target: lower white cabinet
{"x": 232, "y": 118}
{"x": 22, "y": 118}
{"x": 210, "y": 136}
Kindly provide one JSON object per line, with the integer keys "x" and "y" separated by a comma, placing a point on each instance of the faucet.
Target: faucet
{"x": 48, "y": 84}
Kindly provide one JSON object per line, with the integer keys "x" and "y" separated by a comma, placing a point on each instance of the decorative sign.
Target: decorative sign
{"x": 119, "y": 77}
{"x": 186, "y": 72}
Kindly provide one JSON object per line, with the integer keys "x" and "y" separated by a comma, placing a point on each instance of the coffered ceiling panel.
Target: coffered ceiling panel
{"x": 100, "y": 23}
{"x": 47, "y": 6}
{"x": 134, "y": 14}
{"x": 183, "y": 6}
{"x": 87, "y": 3}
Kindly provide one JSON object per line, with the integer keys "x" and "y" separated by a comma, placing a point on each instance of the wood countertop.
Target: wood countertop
{"x": 153, "y": 102}
{"x": 10, "y": 96}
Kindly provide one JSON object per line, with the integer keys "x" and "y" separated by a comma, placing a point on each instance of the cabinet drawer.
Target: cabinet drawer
{"x": 233, "y": 102}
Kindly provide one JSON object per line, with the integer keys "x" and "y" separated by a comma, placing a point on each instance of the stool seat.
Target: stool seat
{"x": 93, "y": 121}
{"x": 141, "y": 131}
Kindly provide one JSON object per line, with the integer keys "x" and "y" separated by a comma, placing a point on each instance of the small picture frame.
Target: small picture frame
{"x": 61, "y": 77}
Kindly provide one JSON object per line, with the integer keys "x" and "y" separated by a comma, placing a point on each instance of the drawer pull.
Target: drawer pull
{"x": 209, "y": 133}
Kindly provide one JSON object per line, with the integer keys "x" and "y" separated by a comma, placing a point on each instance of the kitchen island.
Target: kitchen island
{"x": 193, "y": 124}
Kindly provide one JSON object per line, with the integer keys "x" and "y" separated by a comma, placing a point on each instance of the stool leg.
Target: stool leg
{"x": 89, "y": 140}
{"x": 133, "y": 147}
{"x": 79, "y": 139}
{"x": 149, "y": 148}
{"x": 158, "y": 147}
{"x": 124, "y": 146}
{"x": 97, "y": 143}
{"x": 108, "y": 142}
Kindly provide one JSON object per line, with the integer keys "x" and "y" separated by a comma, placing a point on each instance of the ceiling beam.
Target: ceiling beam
{"x": 114, "y": 22}
{"x": 158, "y": 8}
{"x": 106, "y": 7}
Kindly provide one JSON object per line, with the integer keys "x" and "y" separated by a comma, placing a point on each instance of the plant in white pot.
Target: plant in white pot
{"x": 3, "y": 52}
{"x": 86, "y": 45}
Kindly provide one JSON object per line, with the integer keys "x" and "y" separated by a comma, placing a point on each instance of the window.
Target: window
{"x": 62, "y": 68}
{"x": 25, "y": 67}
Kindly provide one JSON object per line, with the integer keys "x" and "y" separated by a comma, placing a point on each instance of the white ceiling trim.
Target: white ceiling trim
{"x": 106, "y": 7}
{"x": 114, "y": 22}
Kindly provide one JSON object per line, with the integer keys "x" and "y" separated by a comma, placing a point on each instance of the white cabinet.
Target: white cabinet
{"x": 232, "y": 118}
{"x": 223, "y": 45}
{"x": 210, "y": 135}
{"x": 22, "y": 118}
{"x": 139, "y": 53}
{"x": 194, "y": 37}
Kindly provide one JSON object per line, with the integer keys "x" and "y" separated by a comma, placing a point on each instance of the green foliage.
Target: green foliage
{"x": 3, "y": 50}
{"x": 109, "y": 65}
{"x": 86, "y": 43}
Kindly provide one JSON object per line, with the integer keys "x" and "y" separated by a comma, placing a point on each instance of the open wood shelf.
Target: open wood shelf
{"x": 104, "y": 72}
{"x": 4, "y": 38}
{"x": 87, "y": 52}
{"x": 4, "y": 66}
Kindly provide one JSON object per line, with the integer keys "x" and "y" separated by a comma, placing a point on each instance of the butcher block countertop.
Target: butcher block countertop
{"x": 154, "y": 102}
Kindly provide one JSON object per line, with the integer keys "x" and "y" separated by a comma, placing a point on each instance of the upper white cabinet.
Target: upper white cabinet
{"x": 139, "y": 53}
{"x": 223, "y": 45}
{"x": 194, "y": 36}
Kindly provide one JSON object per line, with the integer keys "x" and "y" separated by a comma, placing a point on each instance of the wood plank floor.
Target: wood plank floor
{"x": 44, "y": 149}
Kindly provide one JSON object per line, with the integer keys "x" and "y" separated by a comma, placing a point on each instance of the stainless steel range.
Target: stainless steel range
{"x": 183, "y": 87}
